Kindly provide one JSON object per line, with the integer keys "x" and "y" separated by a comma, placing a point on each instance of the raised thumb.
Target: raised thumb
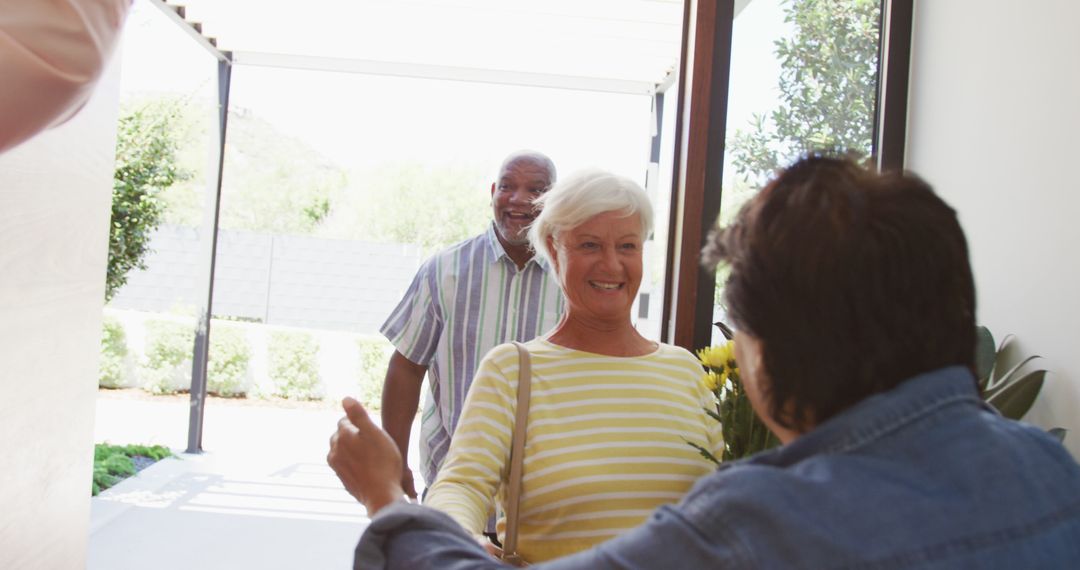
{"x": 356, "y": 413}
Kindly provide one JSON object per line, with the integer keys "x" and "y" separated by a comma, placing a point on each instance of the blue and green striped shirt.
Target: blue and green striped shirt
{"x": 463, "y": 302}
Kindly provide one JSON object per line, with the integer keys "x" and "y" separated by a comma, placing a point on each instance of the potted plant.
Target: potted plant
{"x": 1009, "y": 386}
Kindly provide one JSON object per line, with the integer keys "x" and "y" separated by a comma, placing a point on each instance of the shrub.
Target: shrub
{"x": 371, "y": 371}
{"x": 227, "y": 369}
{"x": 294, "y": 366}
{"x": 145, "y": 165}
{"x": 167, "y": 367}
{"x": 102, "y": 480}
{"x": 114, "y": 353}
{"x": 112, "y": 463}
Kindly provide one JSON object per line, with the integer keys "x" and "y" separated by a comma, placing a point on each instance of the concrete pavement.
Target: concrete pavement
{"x": 260, "y": 496}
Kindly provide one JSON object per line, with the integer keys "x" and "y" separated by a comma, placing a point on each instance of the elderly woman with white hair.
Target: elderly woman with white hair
{"x": 611, "y": 411}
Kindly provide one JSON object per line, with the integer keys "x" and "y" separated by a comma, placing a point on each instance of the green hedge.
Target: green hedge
{"x": 112, "y": 463}
{"x": 113, "y": 354}
{"x": 230, "y": 354}
{"x": 294, "y": 365}
{"x": 166, "y": 368}
{"x": 371, "y": 371}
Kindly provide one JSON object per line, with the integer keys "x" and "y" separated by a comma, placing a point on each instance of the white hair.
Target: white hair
{"x": 582, "y": 195}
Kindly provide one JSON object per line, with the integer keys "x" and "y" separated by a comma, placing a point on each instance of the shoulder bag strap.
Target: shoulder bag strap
{"x": 517, "y": 453}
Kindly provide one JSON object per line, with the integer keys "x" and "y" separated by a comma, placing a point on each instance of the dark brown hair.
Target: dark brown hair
{"x": 853, "y": 282}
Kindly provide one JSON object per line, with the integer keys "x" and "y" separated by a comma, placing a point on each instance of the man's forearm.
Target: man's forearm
{"x": 401, "y": 399}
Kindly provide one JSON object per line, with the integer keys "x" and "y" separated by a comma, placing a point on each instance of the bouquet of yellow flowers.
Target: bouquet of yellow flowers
{"x": 744, "y": 433}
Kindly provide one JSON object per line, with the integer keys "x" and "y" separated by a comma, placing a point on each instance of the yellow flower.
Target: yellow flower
{"x": 711, "y": 380}
{"x": 718, "y": 357}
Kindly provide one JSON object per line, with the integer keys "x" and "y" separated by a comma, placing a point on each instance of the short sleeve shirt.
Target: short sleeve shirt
{"x": 464, "y": 301}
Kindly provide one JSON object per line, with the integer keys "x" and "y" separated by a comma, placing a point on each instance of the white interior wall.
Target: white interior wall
{"x": 994, "y": 125}
{"x": 55, "y": 193}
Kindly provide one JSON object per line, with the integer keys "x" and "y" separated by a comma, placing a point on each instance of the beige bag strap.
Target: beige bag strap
{"x": 517, "y": 456}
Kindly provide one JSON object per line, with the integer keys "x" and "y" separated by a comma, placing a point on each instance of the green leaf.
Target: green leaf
{"x": 984, "y": 355}
{"x": 704, "y": 452}
{"x": 1000, "y": 382}
{"x": 1001, "y": 359}
{"x": 827, "y": 82}
{"x": 1016, "y": 398}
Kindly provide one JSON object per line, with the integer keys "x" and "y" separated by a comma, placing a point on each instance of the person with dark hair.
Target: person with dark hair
{"x": 854, "y": 306}
{"x": 832, "y": 259}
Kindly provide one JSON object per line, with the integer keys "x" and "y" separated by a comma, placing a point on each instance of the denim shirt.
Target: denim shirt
{"x": 922, "y": 476}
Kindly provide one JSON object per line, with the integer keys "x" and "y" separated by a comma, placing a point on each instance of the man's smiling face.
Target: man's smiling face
{"x": 520, "y": 182}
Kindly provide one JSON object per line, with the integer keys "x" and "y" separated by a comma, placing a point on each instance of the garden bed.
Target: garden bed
{"x": 114, "y": 463}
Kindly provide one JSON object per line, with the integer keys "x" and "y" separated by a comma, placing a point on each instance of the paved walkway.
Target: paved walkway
{"x": 260, "y": 496}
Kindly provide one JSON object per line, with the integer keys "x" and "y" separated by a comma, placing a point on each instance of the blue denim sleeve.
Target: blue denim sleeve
{"x": 407, "y": 536}
{"x": 419, "y": 538}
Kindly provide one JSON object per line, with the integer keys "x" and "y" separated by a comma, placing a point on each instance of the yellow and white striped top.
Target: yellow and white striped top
{"x": 606, "y": 444}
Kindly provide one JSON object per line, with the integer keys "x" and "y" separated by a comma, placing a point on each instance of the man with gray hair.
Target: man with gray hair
{"x": 465, "y": 300}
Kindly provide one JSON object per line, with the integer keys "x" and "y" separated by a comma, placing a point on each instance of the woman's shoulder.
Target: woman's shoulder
{"x": 506, "y": 354}
{"x": 676, "y": 354}
{"x": 501, "y": 354}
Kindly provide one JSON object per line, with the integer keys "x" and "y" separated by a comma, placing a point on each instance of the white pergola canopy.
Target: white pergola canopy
{"x": 620, "y": 46}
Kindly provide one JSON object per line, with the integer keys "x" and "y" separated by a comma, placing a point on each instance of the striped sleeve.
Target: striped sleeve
{"x": 415, "y": 324}
{"x": 479, "y": 452}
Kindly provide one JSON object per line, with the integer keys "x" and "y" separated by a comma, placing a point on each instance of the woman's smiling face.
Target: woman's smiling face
{"x": 599, "y": 266}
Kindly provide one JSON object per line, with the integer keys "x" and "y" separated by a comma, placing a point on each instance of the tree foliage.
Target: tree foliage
{"x": 410, "y": 202}
{"x": 145, "y": 165}
{"x": 274, "y": 182}
{"x": 277, "y": 183}
{"x": 828, "y": 82}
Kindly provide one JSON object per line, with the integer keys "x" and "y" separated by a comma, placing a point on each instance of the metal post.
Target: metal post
{"x": 652, "y": 174}
{"x": 209, "y": 250}
{"x": 658, "y": 124}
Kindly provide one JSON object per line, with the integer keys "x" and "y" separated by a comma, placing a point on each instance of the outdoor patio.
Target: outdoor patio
{"x": 260, "y": 496}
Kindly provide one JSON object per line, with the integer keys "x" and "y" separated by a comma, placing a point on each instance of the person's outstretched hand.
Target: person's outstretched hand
{"x": 365, "y": 459}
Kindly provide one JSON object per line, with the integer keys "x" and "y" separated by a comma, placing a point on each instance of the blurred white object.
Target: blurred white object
{"x": 51, "y": 55}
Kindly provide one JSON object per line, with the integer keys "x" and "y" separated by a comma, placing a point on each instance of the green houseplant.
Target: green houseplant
{"x": 1007, "y": 382}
